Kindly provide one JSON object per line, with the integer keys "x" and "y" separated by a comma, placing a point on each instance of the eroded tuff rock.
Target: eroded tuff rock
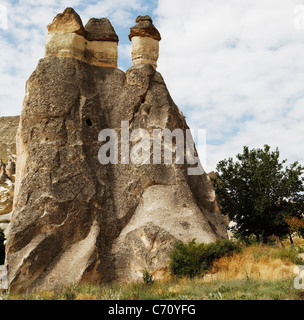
{"x": 67, "y": 22}
{"x": 144, "y": 28}
{"x": 7, "y": 177}
{"x": 75, "y": 219}
{"x": 96, "y": 43}
{"x": 145, "y": 41}
{"x": 100, "y": 30}
{"x": 8, "y": 129}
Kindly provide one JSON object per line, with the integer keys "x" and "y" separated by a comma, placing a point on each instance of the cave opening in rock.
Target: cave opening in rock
{"x": 89, "y": 123}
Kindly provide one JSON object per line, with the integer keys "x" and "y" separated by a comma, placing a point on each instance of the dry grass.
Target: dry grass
{"x": 255, "y": 262}
{"x": 297, "y": 242}
{"x": 258, "y": 272}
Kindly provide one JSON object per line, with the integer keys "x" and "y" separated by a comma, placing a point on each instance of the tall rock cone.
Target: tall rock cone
{"x": 78, "y": 217}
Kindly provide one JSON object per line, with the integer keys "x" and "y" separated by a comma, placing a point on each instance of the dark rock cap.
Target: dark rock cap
{"x": 144, "y": 28}
{"x": 143, "y": 18}
{"x": 100, "y": 30}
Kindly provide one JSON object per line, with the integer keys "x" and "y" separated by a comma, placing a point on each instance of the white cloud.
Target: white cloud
{"x": 119, "y": 11}
{"x": 236, "y": 68}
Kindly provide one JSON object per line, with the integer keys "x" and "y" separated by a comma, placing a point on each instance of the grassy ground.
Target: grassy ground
{"x": 258, "y": 263}
{"x": 183, "y": 289}
{"x": 258, "y": 272}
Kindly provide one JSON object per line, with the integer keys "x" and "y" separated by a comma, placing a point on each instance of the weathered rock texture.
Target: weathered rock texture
{"x": 7, "y": 176}
{"x": 75, "y": 219}
{"x": 8, "y": 129}
{"x": 96, "y": 43}
{"x": 145, "y": 42}
{"x": 6, "y": 197}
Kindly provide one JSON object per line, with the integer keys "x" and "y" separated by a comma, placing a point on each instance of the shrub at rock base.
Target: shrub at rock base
{"x": 193, "y": 259}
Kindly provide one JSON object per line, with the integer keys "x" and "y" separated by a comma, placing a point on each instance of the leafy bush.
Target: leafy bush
{"x": 193, "y": 259}
{"x": 247, "y": 241}
{"x": 186, "y": 259}
{"x": 2, "y": 247}
{"x": 69, "y": 293}
{"x": 299, "y": 249}
{"x": 147, "y": 277}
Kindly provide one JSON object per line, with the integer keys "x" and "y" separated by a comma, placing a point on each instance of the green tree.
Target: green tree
{"x": 259, "y": 193}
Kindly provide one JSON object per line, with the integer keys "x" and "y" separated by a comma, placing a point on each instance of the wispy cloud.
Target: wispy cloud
{"x": 236, "y": 69}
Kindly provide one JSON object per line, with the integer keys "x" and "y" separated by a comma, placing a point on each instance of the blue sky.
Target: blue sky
{"x": 234, "y": 67}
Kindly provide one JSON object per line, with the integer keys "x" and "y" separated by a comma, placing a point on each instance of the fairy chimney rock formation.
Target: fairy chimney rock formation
{"x": 96, "y": 43}
{"x": 75, "y": 217}
{"x": 145, "y": 41}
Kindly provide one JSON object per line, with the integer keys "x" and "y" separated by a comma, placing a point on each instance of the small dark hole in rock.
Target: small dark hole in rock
{"x": 89, "y": 123}
{"x": 143, "y": 100}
